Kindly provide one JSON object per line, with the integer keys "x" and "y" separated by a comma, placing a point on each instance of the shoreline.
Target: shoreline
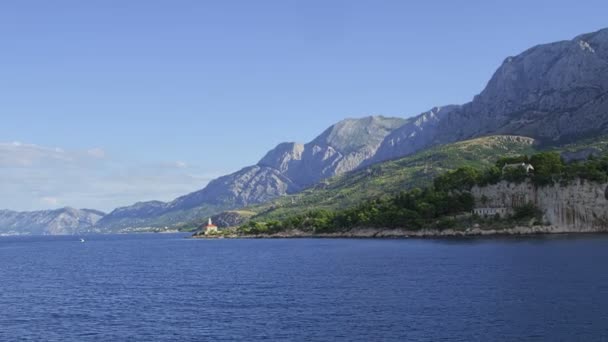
{"x": 379, "y": 233}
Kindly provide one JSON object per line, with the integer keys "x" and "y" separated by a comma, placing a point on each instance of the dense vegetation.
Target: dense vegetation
{"x": 549, "y": 168}
{"x": 440, "y": 204}
{"x": 413, "y": 209}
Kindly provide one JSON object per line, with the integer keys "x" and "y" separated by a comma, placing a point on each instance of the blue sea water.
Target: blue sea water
{"x": 158, "y": 287}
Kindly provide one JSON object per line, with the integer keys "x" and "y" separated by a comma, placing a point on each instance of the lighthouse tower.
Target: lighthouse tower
{"x": 210, "y": 228}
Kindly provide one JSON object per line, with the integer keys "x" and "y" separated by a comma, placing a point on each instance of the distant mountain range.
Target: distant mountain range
{"x": 65, "y": 221}
{"x": 553, "y": 93}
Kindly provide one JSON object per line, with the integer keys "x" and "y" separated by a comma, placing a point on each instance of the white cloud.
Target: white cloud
{"x": 17, "y": 154}
{"x": 50, "y": 201}
{"x": 97, "y": 153}
{"x": 37, "y": 177}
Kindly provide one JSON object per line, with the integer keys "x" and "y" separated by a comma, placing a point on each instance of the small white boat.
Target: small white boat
{"x": 81, "y": 240}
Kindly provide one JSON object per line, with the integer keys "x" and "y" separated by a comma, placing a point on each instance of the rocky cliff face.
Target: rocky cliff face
{"x": 64, "y": 221}
{"x": 341, "y": 148}
{"x": 552, "y": 92}
{"x": 284, "y": 157}
{"x": 581, "y": 206}
{"x": 413, "y": 135}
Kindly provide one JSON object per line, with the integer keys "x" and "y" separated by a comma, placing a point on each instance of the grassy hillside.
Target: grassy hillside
{"x": 391, "y": 177}
{"x": 599, "y": 143}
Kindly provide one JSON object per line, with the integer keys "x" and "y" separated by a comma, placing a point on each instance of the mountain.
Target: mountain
{"x": 554, "y": 93}
{"x": 389, "y": 177}
{"x": 65, "y": 221}
{"x": 286, "y": 169}
{"x": 341, "y": 148}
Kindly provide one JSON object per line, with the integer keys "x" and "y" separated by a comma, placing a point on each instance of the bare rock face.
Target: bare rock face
{"x": 253, "y": 184}
{"x": 581, "y": 206}
{"x": 341, "y": 148}
{"x": 283, "y": 157}
{"x": 552, "y": 92}
{"x": 65, "y": 221}
{"x": 414, "y": 135}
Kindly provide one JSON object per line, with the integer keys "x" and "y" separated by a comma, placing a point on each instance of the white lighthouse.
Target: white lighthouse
{"x": 210, "y": 228}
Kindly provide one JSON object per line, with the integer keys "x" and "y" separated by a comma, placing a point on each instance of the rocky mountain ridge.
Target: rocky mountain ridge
{"x": 552, "y": 92}
{"x": 286, "y": 169}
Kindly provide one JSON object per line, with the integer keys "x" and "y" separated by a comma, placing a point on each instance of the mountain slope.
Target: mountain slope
{"x": 391, "y": 177}
{"x": 341, "y": 148}
{"x": 553, "y": 92}
{"x": 417, "y": 170}
{"x": 65, "y": 221}
{"x": 286, "y": 169}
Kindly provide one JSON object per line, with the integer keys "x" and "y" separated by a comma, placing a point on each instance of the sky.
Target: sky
{"x": 104, "y": 103}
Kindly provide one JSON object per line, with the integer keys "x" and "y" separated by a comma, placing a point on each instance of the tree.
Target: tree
{"x": 463, "y": 178}
{"x": 492, "y": 175}
{"x": 548, "y": 167}
{"x": 515, "y": 174}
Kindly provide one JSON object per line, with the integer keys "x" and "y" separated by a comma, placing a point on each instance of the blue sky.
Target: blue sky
{"x": 197, "y": 89}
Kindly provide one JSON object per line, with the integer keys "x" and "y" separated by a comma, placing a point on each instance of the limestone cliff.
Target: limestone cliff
{"x": 580, "y": 206}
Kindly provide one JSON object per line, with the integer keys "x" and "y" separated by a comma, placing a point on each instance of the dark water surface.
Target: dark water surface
{"x": 165, "y": 287}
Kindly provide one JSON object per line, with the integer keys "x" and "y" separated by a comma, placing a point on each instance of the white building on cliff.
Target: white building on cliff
{"x": 524, "y": 166}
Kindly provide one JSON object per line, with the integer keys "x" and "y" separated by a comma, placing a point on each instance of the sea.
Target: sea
{"x": 166, "y": 287}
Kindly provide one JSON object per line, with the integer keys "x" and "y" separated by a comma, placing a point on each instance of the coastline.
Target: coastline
{"x": 405, "y": 234}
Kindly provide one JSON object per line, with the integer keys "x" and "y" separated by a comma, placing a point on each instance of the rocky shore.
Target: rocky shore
{"x": 423, "y": 233}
